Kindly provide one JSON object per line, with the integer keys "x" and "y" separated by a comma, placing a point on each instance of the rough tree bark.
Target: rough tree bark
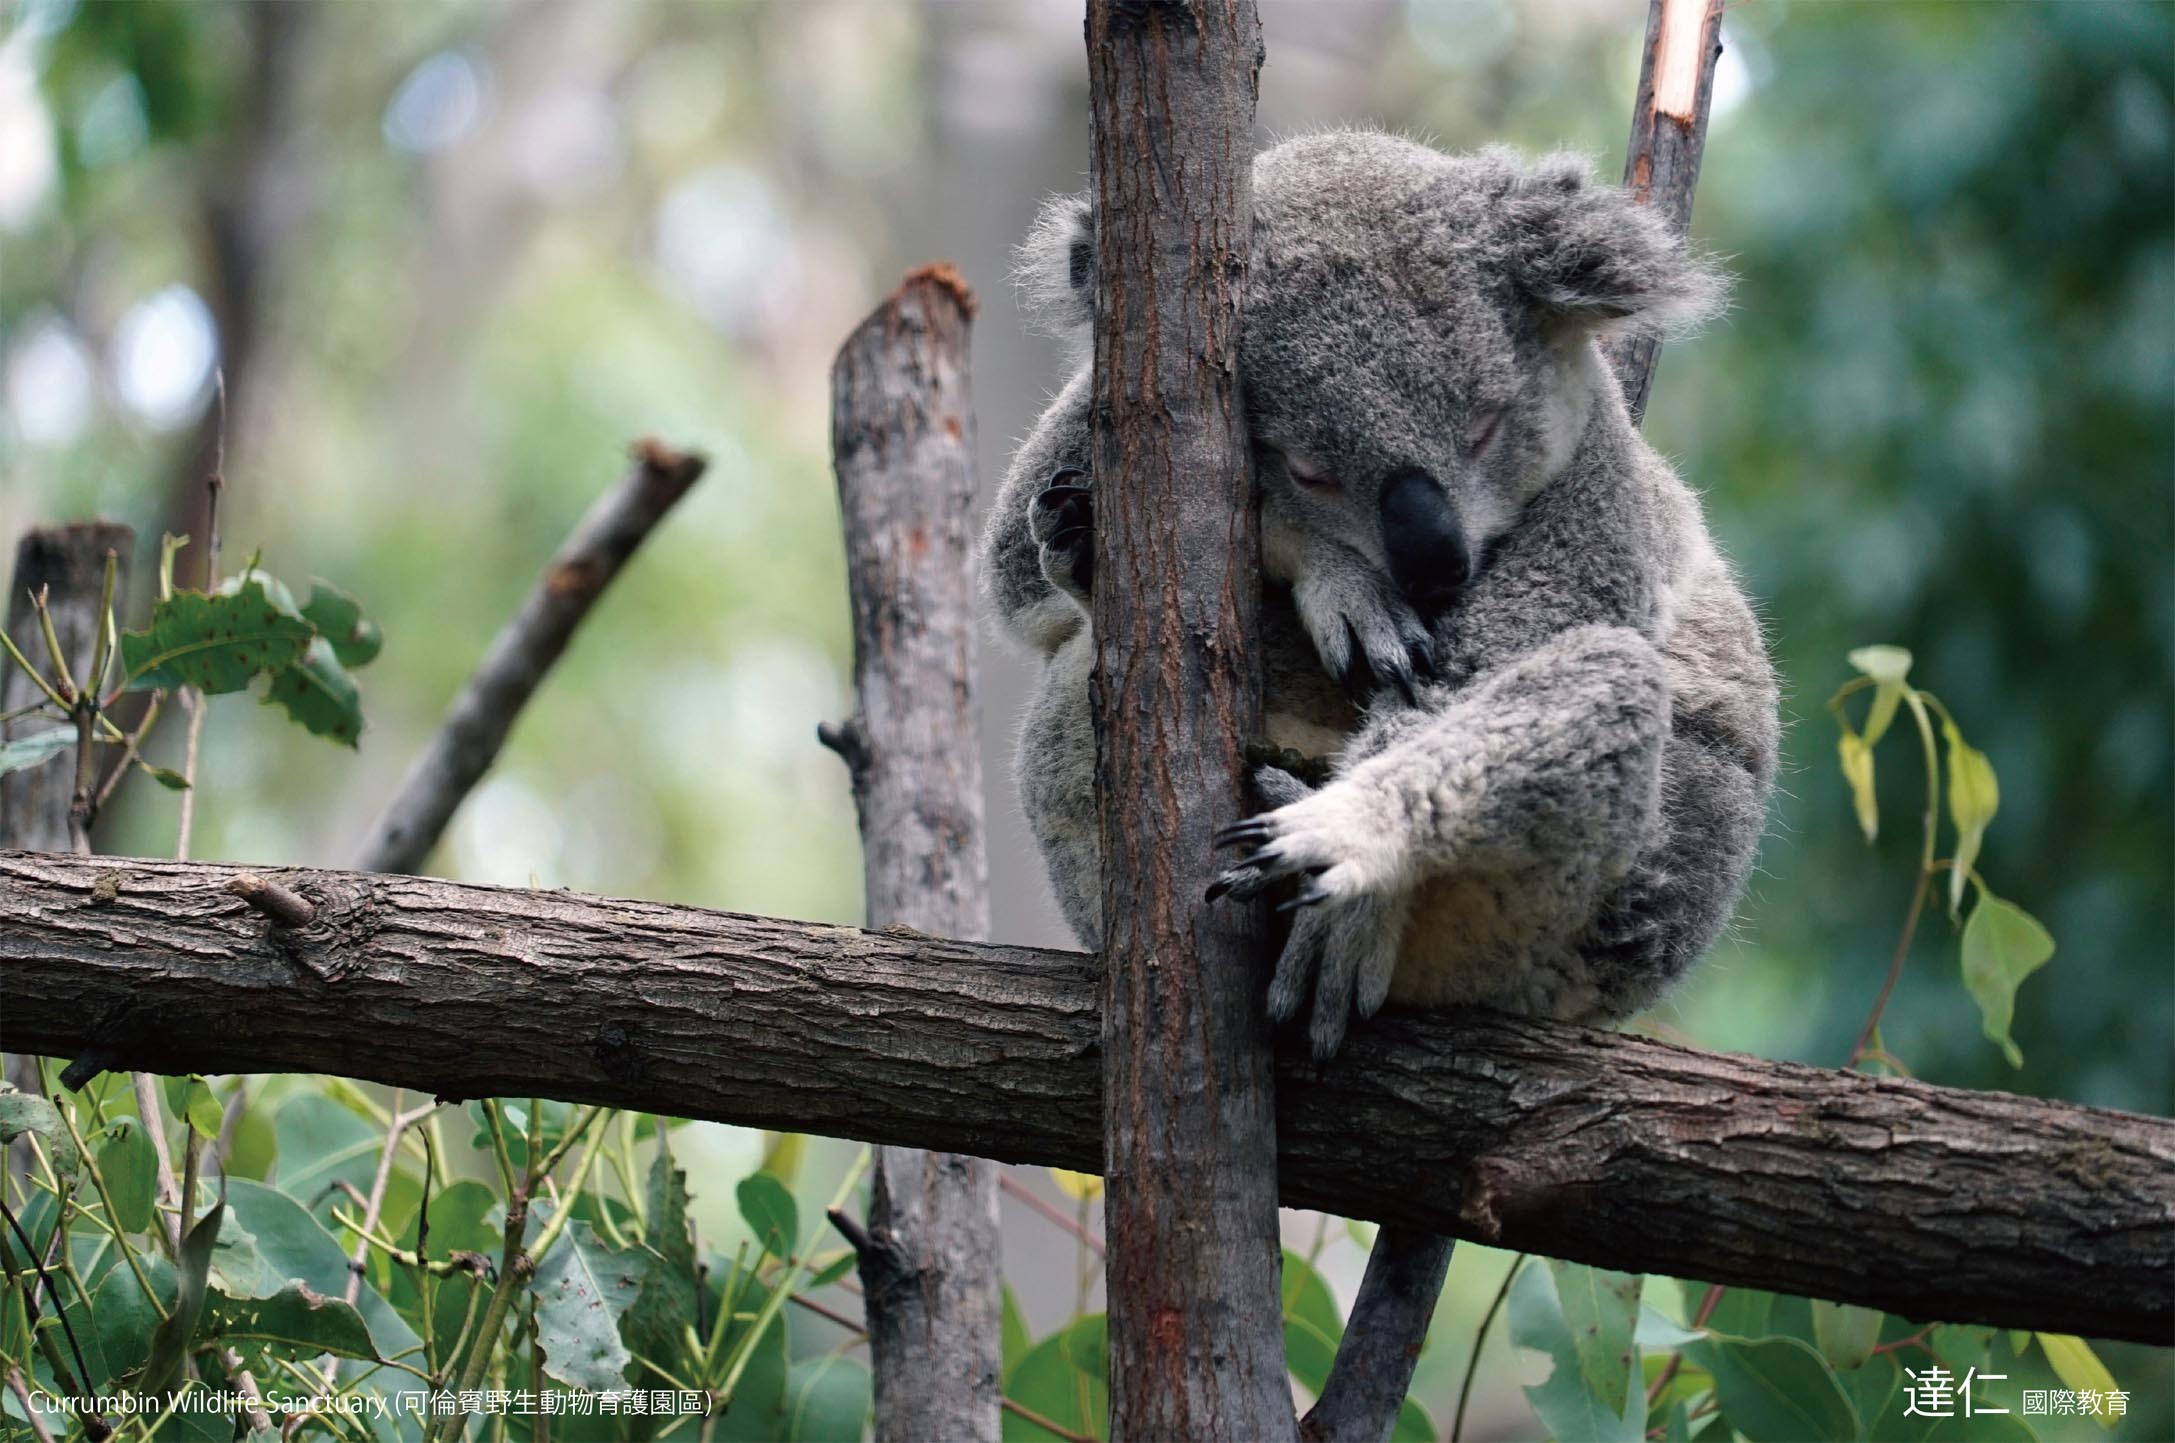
{"x": 1668, "y": 135}
{"x": 475, "y": 726}
{"x": 68, "y": 563}
{"x": 902, "y": 441}
{"x": 1929, "y": 1202}
{"x": 1196, "y": 1324}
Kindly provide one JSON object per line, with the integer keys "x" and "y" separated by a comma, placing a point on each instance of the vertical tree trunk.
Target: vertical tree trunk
{"x": 902, "y": 435}
{"x": 1196, "y": 1334}
{"x": 1668, "y": 135}
{"x": 69, "y": 564}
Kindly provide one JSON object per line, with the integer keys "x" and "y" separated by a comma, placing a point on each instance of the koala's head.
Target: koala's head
{"x": 1417, "y": 349}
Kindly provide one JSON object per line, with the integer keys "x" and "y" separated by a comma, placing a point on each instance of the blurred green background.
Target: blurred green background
{"x": 452, "y": 257}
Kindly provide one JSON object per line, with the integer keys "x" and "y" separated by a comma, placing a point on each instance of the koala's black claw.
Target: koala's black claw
{"x": 1423, "y": 661}
{"x": 1403, "y": 680}
{"x": 1057, "y": 494}
{"x": 1064, "y": 474}
{"x": 1066, "y": 537}
{"x": 1250, "y": 832}
{"x": 1218, "y": 887}
{"x": 1308, "y": 897}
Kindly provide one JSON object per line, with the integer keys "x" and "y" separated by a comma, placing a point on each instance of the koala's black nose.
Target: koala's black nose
{"x": 1429, "y": 559}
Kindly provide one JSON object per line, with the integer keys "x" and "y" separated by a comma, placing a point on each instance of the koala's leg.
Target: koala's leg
{"x": 1055, "y": 766}
{"x": 1013, "y": 578}
{"x": 1547, "y": 767}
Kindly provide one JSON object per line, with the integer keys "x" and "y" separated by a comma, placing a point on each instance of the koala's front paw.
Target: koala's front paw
{"x": 1351, "y": 913}
{"x": 1062, "y": 524}
{"x": 1365, "y": 634}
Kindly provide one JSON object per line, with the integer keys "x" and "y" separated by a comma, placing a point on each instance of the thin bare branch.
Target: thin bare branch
{"x": 522, "y": 654}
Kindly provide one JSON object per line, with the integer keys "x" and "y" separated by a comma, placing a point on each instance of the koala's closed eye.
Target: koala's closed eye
{"x": 1309, "y": 474}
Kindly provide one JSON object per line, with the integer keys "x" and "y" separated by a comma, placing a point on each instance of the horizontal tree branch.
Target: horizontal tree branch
{"x": 1925, "y": 1201}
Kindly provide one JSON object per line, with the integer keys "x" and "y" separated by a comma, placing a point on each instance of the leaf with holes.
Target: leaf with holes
{"x": 318, "y": 693}
{"x": 22, "y": 1112}
{"x": 214, "y": 643}
{"x": 1571, "y": 1404}
{"x": 583, "y": 1288}
{"x": 339, "y": 619}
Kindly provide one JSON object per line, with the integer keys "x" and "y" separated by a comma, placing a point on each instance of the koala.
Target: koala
{"x": 1493, "y": 620}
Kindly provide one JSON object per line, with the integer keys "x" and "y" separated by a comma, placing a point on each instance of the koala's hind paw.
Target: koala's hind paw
{"x": 1342, "y": 957}
{"x": 1336, "y": 836}
{"x": 1062, "y": 523}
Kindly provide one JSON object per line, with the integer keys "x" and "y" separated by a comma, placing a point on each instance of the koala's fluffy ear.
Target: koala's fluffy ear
{"x": 1056, "y": 271}
{"x": 1589, "y": 253}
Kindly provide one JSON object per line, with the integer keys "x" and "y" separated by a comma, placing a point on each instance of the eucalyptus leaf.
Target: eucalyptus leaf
{"x": 1974, "y": 795}
{"x": 297, "y": 1319}
{"x": 1777, "y": 1390}
{"x": 318, "y": 693}
{"x": 339, "y": 619}
{"x": 1856, "y": 757}
{"x": 123, "y": 1318}
{"x": 1845, "y": 1333}
{"x": 1051, "y": 1383}
{"x": 171, "y": 1339}
{"x": 1885, "y": 664}
{"x": 23, "y": 753}
{"x": 665, "y": 1308}
{"x": 2003, "y": 944}
{"x": 827, "y": 1400}
{"x": 583, "y": 1288}
{"x": 1569, "y": 1402}
{"x": 22, "y": 1112}
{"x": 1601, "y": 1309}
{"x": 1015, "y": 1339}
{"x": 130, "y": 1165}
{"x": 771, "y": 1214}
{"x": 2078, "y": 1367}
{"x": 215, "y": 643}
{"x": 292, "y": 1245}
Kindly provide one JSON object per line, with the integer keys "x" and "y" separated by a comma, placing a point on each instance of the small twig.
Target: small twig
{"x": 38, "y": 1429}
{"x": 285, "y": 908}
{"x": 130, "y": 749}
{"x": 522, "y": 653}
{"x": 1480, "y": 1336}
{"x": 1013, "y": 1187}
{"x": 828, "y": 1313}
{"x": 192, "y": 701}
{"x": 152, "y": 1116}
{"x": 1021, "y": 1410}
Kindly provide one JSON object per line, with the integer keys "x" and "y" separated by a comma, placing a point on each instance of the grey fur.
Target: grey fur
{"x": 1551, "y": 797}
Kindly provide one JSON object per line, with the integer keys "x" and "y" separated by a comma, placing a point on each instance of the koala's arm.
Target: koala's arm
{"x": 1552, "y": 757}
{"x": 1549, "y": 764}
{"x": 1012, "y": 578}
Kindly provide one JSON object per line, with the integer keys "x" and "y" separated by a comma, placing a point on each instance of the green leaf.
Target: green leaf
{"x": 1872, "y": 1388}
{"x": 1312, "y": 1323}
{"x": 1974, "y": 795}
{"x": 123, "y": 1319}
{"x": 771, "y": 1213}
{"x": 339, "y": 619}
{"x": 321, "y": 1145}
{"x": 1886, "y": 664}
{"x": 173, "y": 781}
{"x": 1601, "y": 1309}
{"x": 22, "y": 1112}
{"x": 1413, "y": 1425}
{"x": 2079, "y": 1368}
{"x": 460, "y": 1221}
{"x": 1846, "y": 1333}
{"x": 171, "y": 1339}
{"x": 190, "y": 1099}
{"x": 1857, "y": 760}
{"x": 319, "y": 694}
{"x": 130, "y": 1166}
{"x": 1051, "y": 1381}
{"x": 1777, "y": 1390}
{"x": 831, "y": 1271}
{"x": 1016, "y": 1339}
{"x": 2003, "y": 944}
{"x": 583, "y": 1288}
{"x": 24, "y": 753}
{"x": 665, "y": 1307}
{"x": 756, "y": 1411}
{"x": 215, "y": 643}
{"x": 827, "y": 1400}
{"x": 297, "y": 1319}
{"x": 1308, "y": 1353}
{"x": 293, "y": 1245}
{"x": 236, "y": 1269}
{"x": 1567, "y": 1401}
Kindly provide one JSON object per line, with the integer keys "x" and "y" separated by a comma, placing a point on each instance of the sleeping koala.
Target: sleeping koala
{"x": 1548, "y": 717}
